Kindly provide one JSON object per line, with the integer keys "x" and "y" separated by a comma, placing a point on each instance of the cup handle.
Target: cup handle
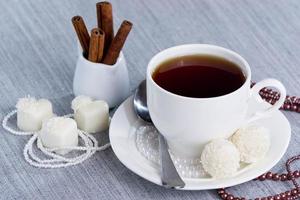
{"x": 254, "y": 93}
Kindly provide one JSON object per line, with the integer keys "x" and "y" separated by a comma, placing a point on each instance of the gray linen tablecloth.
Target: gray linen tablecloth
{"x": 38, "y": 56}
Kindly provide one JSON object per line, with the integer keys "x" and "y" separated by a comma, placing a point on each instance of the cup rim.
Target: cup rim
{"x": 150, "y": 68}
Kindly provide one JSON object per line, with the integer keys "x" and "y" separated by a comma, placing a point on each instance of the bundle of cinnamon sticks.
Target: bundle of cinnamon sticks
{"x": 102, "y": 46}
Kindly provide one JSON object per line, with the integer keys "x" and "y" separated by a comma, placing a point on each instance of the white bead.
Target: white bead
{"x": 93, "y": 117}
{"x": 59, "y": 132}
{"x": 90, "y": 146}
{"x": 32, "y": 112}
{"x": 147, "y": 145}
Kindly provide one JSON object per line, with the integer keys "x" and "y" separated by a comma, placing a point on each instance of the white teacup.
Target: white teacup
{"x": 189, "y": 123}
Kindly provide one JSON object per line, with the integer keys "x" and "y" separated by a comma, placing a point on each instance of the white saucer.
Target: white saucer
{"x": 122, "y": 139}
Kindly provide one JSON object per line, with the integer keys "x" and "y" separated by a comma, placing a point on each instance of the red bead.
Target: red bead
{"x": 283, "y": 177}
{"x": 262, "y": 177}
{"x": 294, "y": 108}
{"x": 277, "y": 197}
{"x": 294, "y": 192}
{"x": 221, "y": 191}
{"x": 289, "y": 176}
{"x": 282, "y": 195}
{"x": 269, "y": 175}
{"x": 229, "y": 197}
{"x": 224, "y": 196}
{"x": 288, "y": 193}
{"x": 296, "y": 174}
{"x": 236, "y": 198}
{"x": 275, "y": 177}
{"x": 270, "y": 198}
{"x": 264, "y": 198}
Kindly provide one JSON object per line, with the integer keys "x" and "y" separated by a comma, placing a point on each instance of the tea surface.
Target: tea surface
{"x": 199, "y": 76}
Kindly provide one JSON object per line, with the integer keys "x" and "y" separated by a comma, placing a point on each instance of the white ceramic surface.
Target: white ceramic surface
{"x": 189, "y": 123}
{"x": 102, "y": 82}
{"x": 122, "y": 139}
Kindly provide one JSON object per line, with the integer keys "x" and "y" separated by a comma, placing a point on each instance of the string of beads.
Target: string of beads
{"x": 292, "y": 103}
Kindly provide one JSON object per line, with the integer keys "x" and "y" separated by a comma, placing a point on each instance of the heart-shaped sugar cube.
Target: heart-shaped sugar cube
{"x": 32, "y": 112}
{"x": 80, "y": 101}
{"x": 93, "y": 117}
{"x": 59, "y": 132}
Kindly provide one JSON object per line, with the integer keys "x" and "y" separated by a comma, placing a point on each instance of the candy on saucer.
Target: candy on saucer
{"x": 59, "y": 132}
{"x": 31, "y": 113}
{"x": 252, "y": 142}
{"x": 220, "y": 158}
{"x": 91, "y": 116}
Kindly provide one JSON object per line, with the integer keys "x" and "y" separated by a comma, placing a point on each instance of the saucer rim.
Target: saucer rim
{"x": 151, "y": 174}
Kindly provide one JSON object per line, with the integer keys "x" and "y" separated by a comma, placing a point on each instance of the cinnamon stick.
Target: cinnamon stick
{"x": 96, "y": 45}
{"x": 117, "y": 43}
{"x": 105, "y": 22}
{"x": 82, "y": 33}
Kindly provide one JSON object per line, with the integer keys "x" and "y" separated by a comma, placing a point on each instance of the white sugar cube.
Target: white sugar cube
{"x": 80, "y": 101}
{"x": 32, "y": 112}
{"x": 93, "y": 117}
{"x": 59, "y": 132}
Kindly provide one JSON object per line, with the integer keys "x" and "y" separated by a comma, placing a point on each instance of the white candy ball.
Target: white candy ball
{"x": 80, "y": 101}
{"x": 252, "y": 142}
{"x": 220, "y": 158}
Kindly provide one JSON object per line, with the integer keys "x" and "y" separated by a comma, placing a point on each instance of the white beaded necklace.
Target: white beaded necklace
{"x": 90, "y": 146}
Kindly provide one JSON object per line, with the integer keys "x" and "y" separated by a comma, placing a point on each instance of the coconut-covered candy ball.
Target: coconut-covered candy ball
{"x": 253, "y": 143}
{"x": 220, "y": 158}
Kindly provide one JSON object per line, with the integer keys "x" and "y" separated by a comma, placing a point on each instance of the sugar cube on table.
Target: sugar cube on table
{"x": 93, "y": 117}
{"x": 59, "y": 132}
{"x": 32, "y": 112}
{"x": 80, "y": 101}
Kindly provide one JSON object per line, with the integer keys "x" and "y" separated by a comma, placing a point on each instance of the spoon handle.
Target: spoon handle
{"x": 169, "y": 175}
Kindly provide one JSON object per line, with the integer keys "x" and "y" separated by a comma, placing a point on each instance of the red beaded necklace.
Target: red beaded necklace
{"x": 291, "y": 103}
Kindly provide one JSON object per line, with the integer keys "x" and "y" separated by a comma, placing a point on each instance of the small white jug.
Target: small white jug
{"x": 102, "y": 82}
